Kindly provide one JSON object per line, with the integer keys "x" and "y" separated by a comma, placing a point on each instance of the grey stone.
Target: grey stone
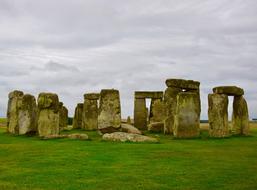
{"x": 90, "y": 114}
{"x": 187, "y": 118}
{"x": 140, "y": 114}
{"x": 183, "y": 84}
{"x": 218, "y": 115}
{"x": 109, "y": 114}
{"x": 130, "y": 129}
{"x": 240, "y": 116}
{"x": 229, "y": 90}
{"x": 78, "y": 117}
{"x": 149, "y": 94}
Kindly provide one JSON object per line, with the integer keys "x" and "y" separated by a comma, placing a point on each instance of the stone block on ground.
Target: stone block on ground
{"x": 127, "y": 128}
{"x": 156, "y": 127}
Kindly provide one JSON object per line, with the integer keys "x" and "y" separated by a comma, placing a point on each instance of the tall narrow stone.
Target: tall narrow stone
{"x": 90, "y": 111}
{"x": 140, "y": 113}
{"x": 27, "y": 122}
{"x": 109, "y": 115}
{"x": 157, "y": 111}
{"x": 63, "y": 116}
{"x": 170, "y": 101}
{"x": 77, "y": 119}
{"x": 240, "y": 117}
{"x": 218, "y": 115}
{"x": 48, "y": 119}
{"x": 12, "y": 111}
{"x": 187, "y": 120}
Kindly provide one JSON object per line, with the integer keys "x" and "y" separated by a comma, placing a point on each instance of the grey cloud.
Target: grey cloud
{"x": 73, "y": 47}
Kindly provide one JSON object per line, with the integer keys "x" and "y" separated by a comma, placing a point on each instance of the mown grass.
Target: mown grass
{"x": 204, "y": 163}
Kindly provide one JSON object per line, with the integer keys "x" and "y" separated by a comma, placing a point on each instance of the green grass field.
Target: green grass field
{"x": 31, "y": 163}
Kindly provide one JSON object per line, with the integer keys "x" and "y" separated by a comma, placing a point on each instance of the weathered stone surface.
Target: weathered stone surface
{"x": 140, "y": 113}
{"x": 70, "y": 136}
{"x": 78, "y": 117}
{"x": 157, "y": 111}
{"x": 12, "y": 111}
{"x": 170, "y": 101}
{"x": 78, "y": 136}
{"x": 229, "y": 90}
{"x": 128, "y": 137}
{"x": 90, "y": 114}
{"x": 129, "y": 120}
{"x": 27, "y": 109}
{"x": 63, "y": 116}
{"x": 218, "y": 115}
{"x": 156, "y": 127}
{"x": 240, "y": 116}
{"x": 92, "y": 96}
{"x": 108, "y": 130}
{"x": 183, "y": 84}
{"x": 109, "y": 114}
{"x": 48, "y": 118}
{"x": 149, "y": 94}
{"x": 187, "y": 118}
{"x": 127, "y": 128}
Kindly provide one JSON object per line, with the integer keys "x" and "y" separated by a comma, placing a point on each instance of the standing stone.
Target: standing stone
{"x": 187, "y": 120}
{"x": 63, "y": 116}
{"x": 12, "y": 111}
{"x": 170, "y": 101}
{"x": 77, "y": 119}
{"x": 157, "y": 112}
{"x": 129, "y": 120}
{"x": 27, "y": 122}
{"x": 218, "y": 115}
{"x": 140, "y": 114}
{"x": 109, "y": 115}
{"x": 48, "y": 119}
{"x": 240, "y": 117}
{"x": 90, "y": 111}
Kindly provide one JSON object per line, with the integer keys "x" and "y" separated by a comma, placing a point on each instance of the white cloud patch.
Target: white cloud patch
{"x": 74, "y": 47}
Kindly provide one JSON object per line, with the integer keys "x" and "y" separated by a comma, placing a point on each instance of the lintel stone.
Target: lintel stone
{"x": 182, "y": 83}
{"x": 149, "y": 94}
{"x": 228, "y": 90}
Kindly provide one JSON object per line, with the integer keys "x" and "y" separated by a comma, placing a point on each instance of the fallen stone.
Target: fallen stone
{"x": 108, "y": 130}
{"x": 128, "y": 137}
{"x": 228, "y": 90}
{"x": 156, "y": 127}
{"x": 78, "y": 136}
{"x": 183, "y": 84}
{"x": 218, "y": 115}
{"x": 127, "y": 128}
{"x": 240, "y": 116}
{"x": 57, "y": 136}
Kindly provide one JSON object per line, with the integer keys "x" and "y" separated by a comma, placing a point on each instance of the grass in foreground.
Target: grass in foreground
{"x": 31, "y": 163}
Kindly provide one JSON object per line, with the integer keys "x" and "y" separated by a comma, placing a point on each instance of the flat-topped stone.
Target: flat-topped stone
{"x": 92, "y": 96}
{"x": 182, "y": 83}
{"x": 48, "y": 101}
{"x": 228, "y": 90}
{"x": 149, "y": 94}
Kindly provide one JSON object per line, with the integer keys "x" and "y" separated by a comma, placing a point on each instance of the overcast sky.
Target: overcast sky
{"x": 78, "y": 46}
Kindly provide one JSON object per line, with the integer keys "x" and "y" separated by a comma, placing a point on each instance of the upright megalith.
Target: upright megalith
{"x": 218, "y": 115}
{"x": 13, "y": 111}
{"x": 175, "y": 88}
{"x": 140, "y": 110}
{"x": 27, "y": 115}
{"x": 109, "y": 115}
{"x": 240, "y": 116}
{"x": 187, "y": 118}
{"x": 48, "y": 119}
{"x": 90, "y": 111}
{"x": 63, "y": 116}
{"x": 77, "y": 119}
{"x": 140, "y": 113}
{"x": 157, "y": 110}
